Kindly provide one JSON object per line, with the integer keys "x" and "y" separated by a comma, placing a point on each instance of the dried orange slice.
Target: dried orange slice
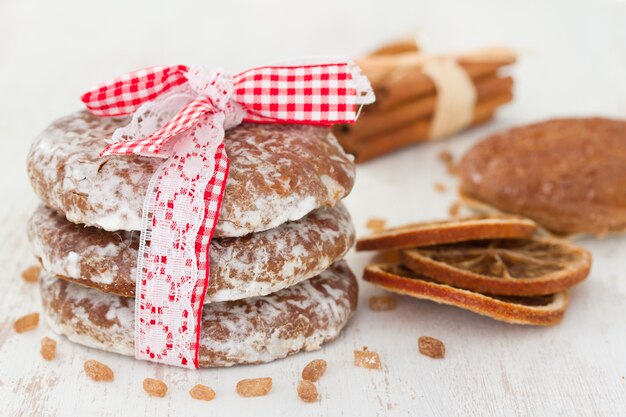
{"x": 448, "y": 231}
{"x": 537, "y": 310}
{"x": 517, "y": 267}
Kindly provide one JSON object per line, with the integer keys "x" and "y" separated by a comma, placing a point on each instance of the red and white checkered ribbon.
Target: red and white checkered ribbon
{"x": 181, "y": 113}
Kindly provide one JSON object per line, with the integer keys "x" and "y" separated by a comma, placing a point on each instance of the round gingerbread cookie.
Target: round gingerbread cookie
{"x": 569, "y": 175}
{"x": 253, "y": 330}
{"x": 277, "y": 173}
{"x": 252, "y": 265}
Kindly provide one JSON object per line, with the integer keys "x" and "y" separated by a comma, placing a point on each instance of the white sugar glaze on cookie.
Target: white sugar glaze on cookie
{"x": 248, "y": 266}
{"x": 254, "y": 330}
{"x": 278, "y": 173}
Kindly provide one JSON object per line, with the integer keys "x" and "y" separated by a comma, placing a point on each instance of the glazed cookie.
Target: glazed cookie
{"x": 254, "y": 330}
{"x": 278, "y": 173}
{"x": 569, "y": 175}
{"x": 248, "y": 266}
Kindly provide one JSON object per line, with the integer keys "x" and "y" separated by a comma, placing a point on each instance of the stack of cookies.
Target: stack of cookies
{"x": 499, "y": 266}
{"x": 278, "y": 282}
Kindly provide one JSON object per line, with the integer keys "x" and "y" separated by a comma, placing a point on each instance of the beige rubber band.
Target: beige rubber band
{"x": 456, "y": 97}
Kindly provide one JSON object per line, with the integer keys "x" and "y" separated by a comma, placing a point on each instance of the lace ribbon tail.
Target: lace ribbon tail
{"x": 364, "y": 91}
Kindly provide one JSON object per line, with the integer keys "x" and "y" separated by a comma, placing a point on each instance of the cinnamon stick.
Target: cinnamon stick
{"x": 375, "y": 122}
{"x": 407, "y": 85}
{"x": 379, "y": 67}
{"x": 418, "y": 131}
{"x": 406, "y": 44}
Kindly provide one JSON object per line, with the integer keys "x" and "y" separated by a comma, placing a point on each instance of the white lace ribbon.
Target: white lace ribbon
{"x": 174, "y": 211}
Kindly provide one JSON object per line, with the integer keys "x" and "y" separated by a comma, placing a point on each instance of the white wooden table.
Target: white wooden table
{"x": 574, "y": 63}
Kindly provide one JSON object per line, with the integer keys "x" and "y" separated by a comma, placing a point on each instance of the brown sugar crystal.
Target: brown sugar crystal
{"x": 431, "y": 347}
{"x": 376, "y": 225}
{"x": 307, "y": 391}
{"x": 31, "y": 274}
{"x": 367, "y": 359}
{"x": 454, "y": 209}
{"x": 314, "y": 370}
{"x": 98, "y": 371}
{"x": 26, "y": 323}
{"x": 155, "y": 387}
{"x": 202, "y": 392}
{"x": 382, "y": 303}
{"x": 447, "y": 158}
{"x": 48, "y": 348}
{"x": 256, "y": 387}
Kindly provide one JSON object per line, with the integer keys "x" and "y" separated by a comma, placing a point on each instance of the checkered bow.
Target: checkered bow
{"x": 323, "y": 94}
{"x": 181, "y": 112}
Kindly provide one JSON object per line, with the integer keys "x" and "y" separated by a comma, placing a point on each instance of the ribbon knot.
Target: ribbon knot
{"x": 216, "y": 86}
{"x": 194, "y": 106}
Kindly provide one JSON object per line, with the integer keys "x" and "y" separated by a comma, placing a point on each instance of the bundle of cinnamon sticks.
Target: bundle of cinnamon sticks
{"x": 406, "y": 96}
